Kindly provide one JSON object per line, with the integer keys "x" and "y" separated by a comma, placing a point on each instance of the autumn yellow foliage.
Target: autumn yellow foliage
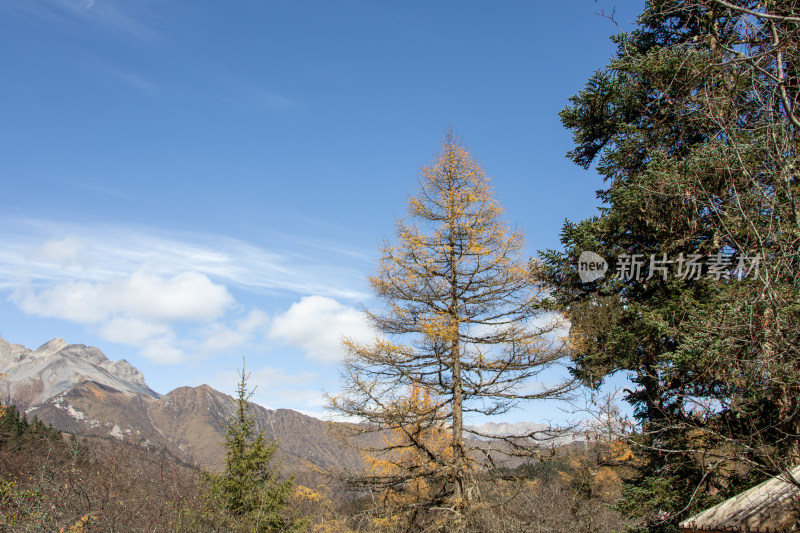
{"x": 459, "y": 333}
{"x": 416, "y": 453}
{"x": 80, "y": 525}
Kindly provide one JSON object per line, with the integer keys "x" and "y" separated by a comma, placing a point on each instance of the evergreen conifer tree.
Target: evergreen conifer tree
{"x": 694, "y": 128}
{"x": 249, "y": 492}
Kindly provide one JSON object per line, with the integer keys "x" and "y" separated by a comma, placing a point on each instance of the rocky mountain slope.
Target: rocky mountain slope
{"x": 78, "y": 390}
{"x": 34, "y": 376}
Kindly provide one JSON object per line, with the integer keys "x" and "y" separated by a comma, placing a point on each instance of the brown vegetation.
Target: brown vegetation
{"x": 570, "y": 490}
{"x": 75, "y": 484}
{"x": 84, "y": 484}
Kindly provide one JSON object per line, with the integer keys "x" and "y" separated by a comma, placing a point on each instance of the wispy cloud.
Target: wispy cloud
{"x": 252, "y": 96}
{"x": 269, "y": 100}
{"x": 170, "y": 295}
{"x": 132, "y": 18}
{"x": 108, "y": 252}
{"x": 132, "y": 79}
{"x": 64, "y": 251}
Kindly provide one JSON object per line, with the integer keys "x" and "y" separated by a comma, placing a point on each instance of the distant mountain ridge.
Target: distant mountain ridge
{"x": 79, "y": 390}
{"x": 34, "y": 376}
{"x": 504, "y": 429}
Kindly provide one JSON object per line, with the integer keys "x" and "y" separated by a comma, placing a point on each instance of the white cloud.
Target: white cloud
{"x": 553, "y": 326}
{"x": 185, "y": 296}
{"x": 220, "y": 338}
{"x": 132, "y": 331}
{"x": 76, "y": 301}
{"x": 138, "y": 310}
{"x": 159, "y": 343}
{"x": 170, "y": 295}
{"x": 317, "y": 324}
{"x": 188, "y": 296}
{"x": 60, "y": 251}
{"x": 109, "y": 253}
{"x": 163, "y": 350}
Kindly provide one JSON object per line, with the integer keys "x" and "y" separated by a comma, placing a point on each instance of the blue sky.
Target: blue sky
{"x": 187, "y": 182}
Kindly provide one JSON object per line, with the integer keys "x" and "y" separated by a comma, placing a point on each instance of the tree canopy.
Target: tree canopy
{"x": 693, "y": 126}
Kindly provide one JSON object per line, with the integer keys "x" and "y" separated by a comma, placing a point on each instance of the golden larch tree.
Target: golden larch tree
{"x": 459, "y": 331}
{"x": 410, "y": 460}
